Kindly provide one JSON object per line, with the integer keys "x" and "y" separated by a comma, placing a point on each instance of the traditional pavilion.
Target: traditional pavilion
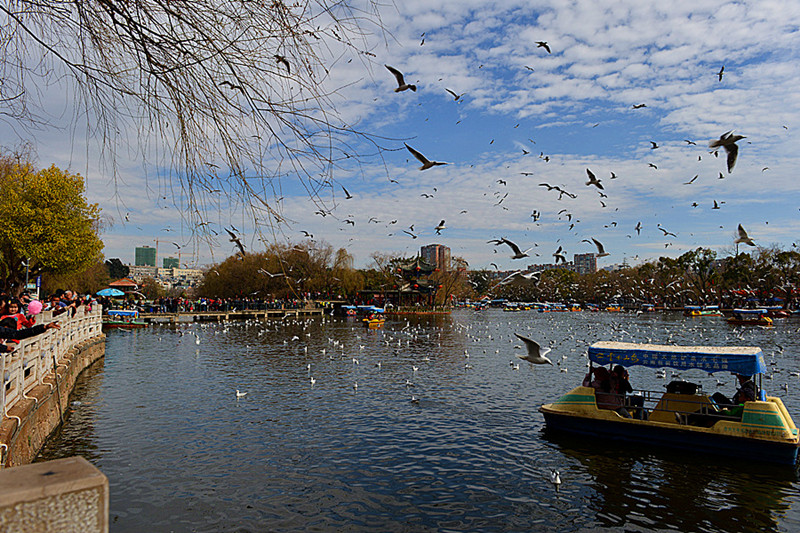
{"x": 412, "y": 287}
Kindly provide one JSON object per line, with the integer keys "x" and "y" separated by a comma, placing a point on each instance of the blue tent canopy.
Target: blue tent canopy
{"x": 743, "y": 360}
{"x": 123, "y": 312}
{"x": 110, "y": 292}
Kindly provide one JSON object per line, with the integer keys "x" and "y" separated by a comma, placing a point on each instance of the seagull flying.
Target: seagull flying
{"x": 543, "y": 44}
{"x": 601, "y": 252}
{"x": 426, "y": 164}
{"x": 667, "y": 232}
{"x": 518, "y": 254}
{"x": 728, "y": 141}
{"x": 440, "y": 227}
{"x": 401, "y": 84}
{"x": 456, "y": 97}
{"x": 593, "y": 180}
{"x": 743, "y": 237}
{"x": 235, "y": 239}
{"x": 535, "y": 354}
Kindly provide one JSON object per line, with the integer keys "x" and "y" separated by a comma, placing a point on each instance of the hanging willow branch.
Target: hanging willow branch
{"x": 225, "y": 97}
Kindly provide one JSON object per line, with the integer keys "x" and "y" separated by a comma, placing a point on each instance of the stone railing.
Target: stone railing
{"x": 39, "y": 356}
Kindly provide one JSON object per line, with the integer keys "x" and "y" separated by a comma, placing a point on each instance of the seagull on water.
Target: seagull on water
{"x": 535, "y": 355}
{"x": 728, "y": 141}
{"x": 401, "y": 84}
{"x": 240, "y": 394}
{"x": 426, "y": 163}
{"x": 555, "y": 479}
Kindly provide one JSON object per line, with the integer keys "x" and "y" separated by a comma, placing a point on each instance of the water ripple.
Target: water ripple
{"x": 160, "y": 417}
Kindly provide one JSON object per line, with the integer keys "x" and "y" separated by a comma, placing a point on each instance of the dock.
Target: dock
{"x": 219, "y": 316}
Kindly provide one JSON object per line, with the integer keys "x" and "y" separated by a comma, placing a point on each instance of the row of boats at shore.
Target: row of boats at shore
{"x": 760, "y": 316}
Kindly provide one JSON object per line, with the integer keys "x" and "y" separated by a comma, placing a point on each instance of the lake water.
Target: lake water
{"x": 160, "y": 417}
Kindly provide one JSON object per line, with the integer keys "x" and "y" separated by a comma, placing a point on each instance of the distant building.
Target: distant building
{"x": 551, "y": 266}
{"x": 436, "y": 254}
{"x": 145, "y": 256}
{"x": 138, "y": 273}
{"x": 585, "y": 263}
{"x": 171, "y": 262}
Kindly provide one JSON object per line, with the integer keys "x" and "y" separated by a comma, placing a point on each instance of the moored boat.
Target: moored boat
{"x": 776, "y": 311}
{"x": 683, "y": 417}
{"x": 750, "y": 317}
{"x": 705, "y": 310}
{"x": 123, "y": 319}
{"x": 375, "y": 319}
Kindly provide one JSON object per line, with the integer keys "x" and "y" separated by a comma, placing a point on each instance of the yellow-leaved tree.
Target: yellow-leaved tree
{"x": 46, "y": 223}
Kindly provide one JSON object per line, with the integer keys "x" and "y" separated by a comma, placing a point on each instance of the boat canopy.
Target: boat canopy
{"x": 744, "y": 360}
{"x": 370, "y": 309}
{"x": 761, "y": 311}
{"x": 123, "y": 312}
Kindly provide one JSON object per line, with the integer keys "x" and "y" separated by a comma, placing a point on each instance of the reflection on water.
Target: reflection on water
{"x": 159, "y": 416}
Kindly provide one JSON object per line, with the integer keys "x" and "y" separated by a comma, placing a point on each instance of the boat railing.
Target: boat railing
{"x": 37, "y": 357}
{"x": 671, "y": 407}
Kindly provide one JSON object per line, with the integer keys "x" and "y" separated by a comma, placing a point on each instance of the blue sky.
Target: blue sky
{"x": 573, "y": 105}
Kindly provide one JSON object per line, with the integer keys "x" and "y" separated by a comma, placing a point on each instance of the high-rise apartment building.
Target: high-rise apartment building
{"x": 436, "y": 254}
{"x": 145, "y": 256}
{"x": 585, "y": 263}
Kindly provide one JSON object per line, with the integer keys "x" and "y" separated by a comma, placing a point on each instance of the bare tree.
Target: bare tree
{"x": 229, "y": 95}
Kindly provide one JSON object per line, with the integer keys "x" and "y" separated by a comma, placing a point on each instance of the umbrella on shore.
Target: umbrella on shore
{"x": 110, "y": 292}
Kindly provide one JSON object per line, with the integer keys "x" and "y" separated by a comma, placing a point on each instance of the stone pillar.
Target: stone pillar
{"x": 65, "y": 495}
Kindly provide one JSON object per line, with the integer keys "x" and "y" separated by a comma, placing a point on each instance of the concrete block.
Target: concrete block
{"x": 65, "y": 495}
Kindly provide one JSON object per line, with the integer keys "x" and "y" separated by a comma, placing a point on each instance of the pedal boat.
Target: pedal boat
{"x": 706, "y": 310}
{"x": 750, "y": 317}
{"x": 123, "y": 319}
{"x": 694, "y": 422}
{"x": 374, "y": 321}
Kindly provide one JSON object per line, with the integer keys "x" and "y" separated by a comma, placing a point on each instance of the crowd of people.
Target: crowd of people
{"x": 186, "y": 305}
{"x": 18, "y": 315}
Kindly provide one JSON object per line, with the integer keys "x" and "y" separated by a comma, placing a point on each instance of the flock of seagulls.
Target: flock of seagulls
{"x": 727, "y": 141}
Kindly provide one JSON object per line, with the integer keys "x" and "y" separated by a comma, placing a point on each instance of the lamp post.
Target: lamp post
{"x": 27, "y": 263}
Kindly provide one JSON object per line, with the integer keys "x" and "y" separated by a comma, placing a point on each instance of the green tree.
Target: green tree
{"x": 151, "y": 289}
{"x": 88, "y": 281}
{"x": 47, "y": 223}
{"x": 116, "y": 269}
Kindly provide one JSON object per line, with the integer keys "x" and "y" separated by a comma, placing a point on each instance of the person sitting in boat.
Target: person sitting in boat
{"x": 745, "y": 393}
{"x": 606, "y": 386}
{"x": 621, "y": 386}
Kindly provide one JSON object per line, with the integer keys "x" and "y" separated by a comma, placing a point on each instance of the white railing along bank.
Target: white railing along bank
{"x": 38, "y": 356}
